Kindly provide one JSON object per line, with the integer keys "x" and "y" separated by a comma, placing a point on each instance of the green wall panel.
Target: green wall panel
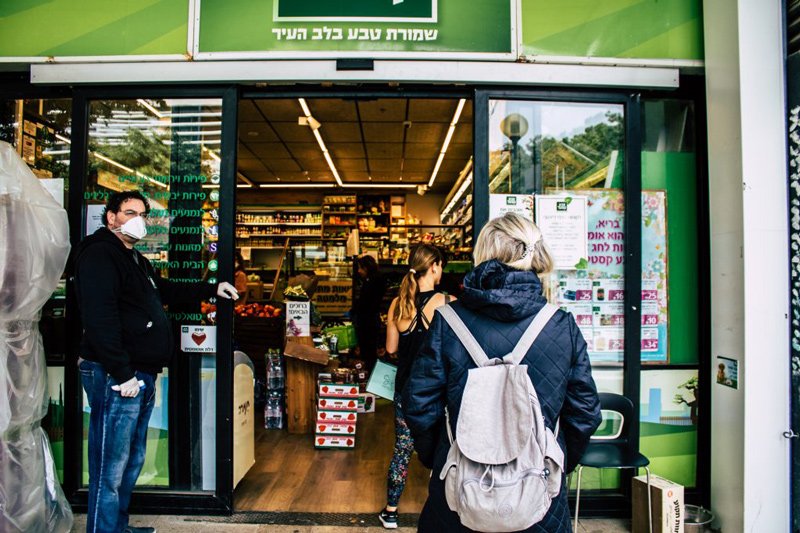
{"x": 652, "y": 29}
{"x": 93, "y": 27}
{"x": 676, "y": 173}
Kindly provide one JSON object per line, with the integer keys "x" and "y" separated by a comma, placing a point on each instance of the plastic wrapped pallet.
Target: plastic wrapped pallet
{"x": 34, "y": 245}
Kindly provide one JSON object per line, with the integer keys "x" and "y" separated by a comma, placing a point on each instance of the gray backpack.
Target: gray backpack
{"x": 504, "y": 466}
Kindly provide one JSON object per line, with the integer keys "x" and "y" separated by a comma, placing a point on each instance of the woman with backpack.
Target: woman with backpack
{"x": 501, "y": 298}
{"x": 407, "y": 324}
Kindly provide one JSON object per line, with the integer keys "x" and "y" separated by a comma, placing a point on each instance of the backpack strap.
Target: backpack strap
{"x": 474, "y": 348}
{"x": 534, "y": 328}
{"x": 464, "y": 335}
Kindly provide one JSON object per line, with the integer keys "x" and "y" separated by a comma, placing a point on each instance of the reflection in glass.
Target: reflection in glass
{"x": 168, "y": 150}
{"x": 566, "y": 160}
{"x": 40, "y": 131}
{"x": 536, "y": 146}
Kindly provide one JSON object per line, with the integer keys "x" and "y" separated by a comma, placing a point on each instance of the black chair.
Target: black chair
{"x": 615, "y": 451}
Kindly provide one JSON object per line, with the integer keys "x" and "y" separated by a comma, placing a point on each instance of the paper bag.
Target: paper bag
{"x": 381, "y": 381}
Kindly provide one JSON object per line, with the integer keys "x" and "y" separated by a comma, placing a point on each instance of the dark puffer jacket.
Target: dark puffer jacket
{"x": 497, "y": 305}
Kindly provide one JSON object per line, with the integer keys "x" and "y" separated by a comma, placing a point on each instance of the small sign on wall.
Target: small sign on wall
{"x": 728, "y": 372}
{"x": 199, "y": 339}
{"x": 94, "y": 218}
{"x": 563, "y": 222}
{"x": 298, "y": 319}
{"x": 500, "y": 204}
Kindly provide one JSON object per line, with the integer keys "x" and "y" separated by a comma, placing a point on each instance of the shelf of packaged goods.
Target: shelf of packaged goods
{"x": 278, "y": 208}
{"x": 278, "y": 235}
{"x": 304, "y": 224}
{"x": 339, "y": 225}
{"x": 420, "y": 226}
{"x": 383, "y": 214}
{"x": 373, "y": 234}
{"x": 335, "y": 239}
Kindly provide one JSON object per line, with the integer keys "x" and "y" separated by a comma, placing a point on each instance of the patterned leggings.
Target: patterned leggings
{"x": 403, "y": 447}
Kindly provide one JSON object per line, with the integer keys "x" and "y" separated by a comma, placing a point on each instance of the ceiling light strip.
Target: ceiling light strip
{"x": 245, "y": 178}
{"x": 467, "y": 182}
{"x": 459, "y": 187}
{"x": 373, "y": 185}
{"x": 284, "y": 185}
{"x": 447, "y": 139}
{"x": 320, "y": 141}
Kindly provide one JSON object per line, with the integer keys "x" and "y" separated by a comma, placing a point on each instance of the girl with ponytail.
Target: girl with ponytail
{"x": 409, "y": 316}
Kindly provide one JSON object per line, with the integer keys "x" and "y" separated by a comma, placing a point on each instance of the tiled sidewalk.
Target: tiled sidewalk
{"x": 200, "y": 524}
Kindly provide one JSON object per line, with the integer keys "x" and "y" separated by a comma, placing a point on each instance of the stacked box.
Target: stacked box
{"x": 337, "y": 407}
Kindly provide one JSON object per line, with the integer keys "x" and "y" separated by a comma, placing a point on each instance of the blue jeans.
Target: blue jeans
{"x": 117, "y": 440}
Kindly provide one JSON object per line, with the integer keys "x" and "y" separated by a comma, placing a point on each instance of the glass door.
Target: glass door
{"x": 172, "y": 151}
{"x": 611, "y": 180}
{"x": 562, "y": 162}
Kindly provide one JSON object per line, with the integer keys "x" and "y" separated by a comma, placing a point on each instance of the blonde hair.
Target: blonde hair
{"x": 421, "y": 259}
{"x": 515, "y": 241}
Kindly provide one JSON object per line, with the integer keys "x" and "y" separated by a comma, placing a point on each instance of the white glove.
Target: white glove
{"x": 129, "y": 389}
{"x": 226, "y": 290}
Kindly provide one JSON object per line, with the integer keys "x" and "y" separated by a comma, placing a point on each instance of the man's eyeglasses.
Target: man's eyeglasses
{"x": 132, "y": 213}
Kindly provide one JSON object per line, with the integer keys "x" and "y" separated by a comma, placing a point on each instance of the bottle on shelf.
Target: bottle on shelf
{"x": 273, "y": 411}
{"x": 275, "y": 374}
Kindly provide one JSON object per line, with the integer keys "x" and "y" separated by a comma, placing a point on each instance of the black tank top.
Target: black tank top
{"x": 411, "y": 340}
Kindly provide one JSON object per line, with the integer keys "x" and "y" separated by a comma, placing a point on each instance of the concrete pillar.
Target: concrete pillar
{"x": 749, "y": 262}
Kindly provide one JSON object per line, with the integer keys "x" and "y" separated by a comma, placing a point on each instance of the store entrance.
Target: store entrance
{"x": 322, "y": 182}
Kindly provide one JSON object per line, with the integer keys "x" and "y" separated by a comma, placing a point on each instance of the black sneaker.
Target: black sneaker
{"x": 388, "y": 519}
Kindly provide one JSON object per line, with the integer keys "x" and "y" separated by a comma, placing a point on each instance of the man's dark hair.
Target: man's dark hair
{"x": 116, "y": 200}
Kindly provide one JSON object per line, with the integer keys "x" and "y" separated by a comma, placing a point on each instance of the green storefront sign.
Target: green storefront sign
{"x": 433, "y": 29}
{"x": 356, "y": 10}
{"x": 275, "y": 27}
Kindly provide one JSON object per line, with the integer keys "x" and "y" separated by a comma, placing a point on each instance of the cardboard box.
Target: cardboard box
{"x": 334, "y": 441}
{"x": 255, "y": 291}
{"x": 338, "y": 390}
{"x": 337, "y": 404}
{"x": 341, "y": 416}
{"x": 366, "y": 403}
{"x": 335, "y": 428}
{"x": 667, "y": 502}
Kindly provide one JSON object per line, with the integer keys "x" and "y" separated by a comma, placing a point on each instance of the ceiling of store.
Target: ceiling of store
{"x": 384, "y": 140}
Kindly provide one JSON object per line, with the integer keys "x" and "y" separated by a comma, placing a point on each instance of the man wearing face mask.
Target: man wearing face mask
{"x": 127, "y": 341}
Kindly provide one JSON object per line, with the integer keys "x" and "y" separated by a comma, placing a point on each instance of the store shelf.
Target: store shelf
{"x": 339, "y": 225}
{"x": 305, "y": 224}
{"x": 277, "y": 235}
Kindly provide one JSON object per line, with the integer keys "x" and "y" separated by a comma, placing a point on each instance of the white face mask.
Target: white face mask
{"x": 135, "y": 228}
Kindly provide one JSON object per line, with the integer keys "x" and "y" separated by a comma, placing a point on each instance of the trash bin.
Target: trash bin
{"x": 696, "y": 519}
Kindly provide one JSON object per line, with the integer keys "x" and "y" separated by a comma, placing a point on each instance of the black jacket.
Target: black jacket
{"x": 125, "y": 327}
{"x": 497, "y": 305}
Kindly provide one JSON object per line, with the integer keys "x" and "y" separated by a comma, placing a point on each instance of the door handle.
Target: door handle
{"x": 790, "y": 434}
